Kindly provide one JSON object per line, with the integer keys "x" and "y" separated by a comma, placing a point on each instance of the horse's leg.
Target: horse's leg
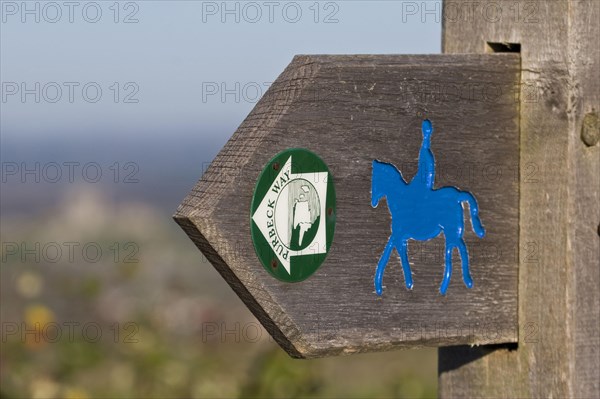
{"x": 448, "y": 270}
{"x": 464, "y": 257}
{"x": 405, "y": 265}
{"x": 381, "y": 266}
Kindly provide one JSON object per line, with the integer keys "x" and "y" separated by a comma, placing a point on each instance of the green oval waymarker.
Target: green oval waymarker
{"x": 293, "y": 214}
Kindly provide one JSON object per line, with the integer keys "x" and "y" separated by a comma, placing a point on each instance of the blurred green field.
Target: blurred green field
{"x": 149, "y": 317}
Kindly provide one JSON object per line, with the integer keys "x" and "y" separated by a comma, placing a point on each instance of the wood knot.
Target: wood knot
{"x": 590, "y": 130}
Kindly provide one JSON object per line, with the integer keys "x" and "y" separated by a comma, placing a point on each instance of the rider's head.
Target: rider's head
{"x": 427, "y": 128}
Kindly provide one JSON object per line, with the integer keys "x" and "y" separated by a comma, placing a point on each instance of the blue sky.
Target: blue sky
{"x": 163, "y": 72}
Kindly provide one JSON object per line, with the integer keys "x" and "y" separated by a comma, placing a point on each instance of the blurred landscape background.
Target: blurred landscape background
{"x": 101, "y": 293}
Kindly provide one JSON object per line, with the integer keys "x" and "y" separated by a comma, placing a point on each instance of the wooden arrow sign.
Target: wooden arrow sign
{"x": 349, "y": 164}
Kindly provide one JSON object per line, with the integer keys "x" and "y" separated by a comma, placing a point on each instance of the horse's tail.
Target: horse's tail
{"x": 474, "y": 210}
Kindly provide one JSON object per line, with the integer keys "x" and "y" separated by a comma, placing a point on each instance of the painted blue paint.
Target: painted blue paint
{"x": 420, "y": 212}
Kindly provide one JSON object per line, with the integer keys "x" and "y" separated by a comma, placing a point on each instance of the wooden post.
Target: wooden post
{"x": 558, "y": 351}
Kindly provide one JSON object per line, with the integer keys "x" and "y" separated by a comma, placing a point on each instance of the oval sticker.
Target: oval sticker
{"x": 293, "y": 214}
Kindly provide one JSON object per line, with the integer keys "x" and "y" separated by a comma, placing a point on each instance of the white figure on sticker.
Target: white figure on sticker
{"x": 302, "y": 214}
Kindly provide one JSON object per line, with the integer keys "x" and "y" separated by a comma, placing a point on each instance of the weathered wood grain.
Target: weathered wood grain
{"x": 351, "y": 110}
{"x": 558, "y": 352}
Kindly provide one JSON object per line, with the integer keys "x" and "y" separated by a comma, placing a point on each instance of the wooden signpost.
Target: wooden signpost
{"x": 286, "y": 212}
{"x": 350, "y": 111}
{"x": 558, "y": 353}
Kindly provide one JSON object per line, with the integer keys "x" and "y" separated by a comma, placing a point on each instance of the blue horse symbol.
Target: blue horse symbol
{"x": 420, "y": 212}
